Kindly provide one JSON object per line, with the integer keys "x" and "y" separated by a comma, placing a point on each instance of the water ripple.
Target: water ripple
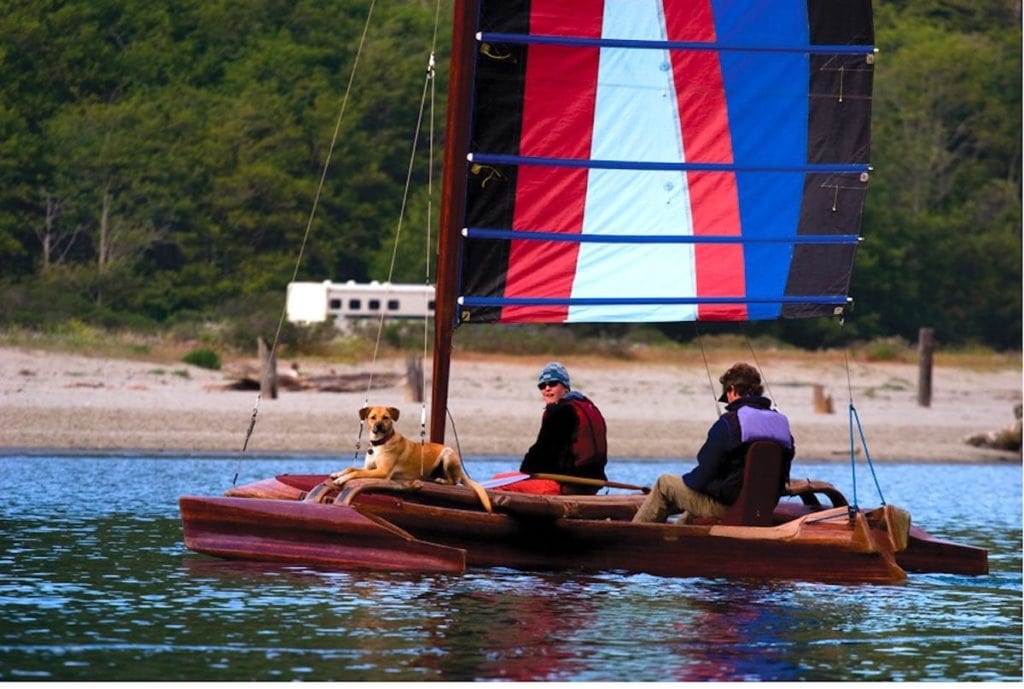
{"x": 101, "y": 588}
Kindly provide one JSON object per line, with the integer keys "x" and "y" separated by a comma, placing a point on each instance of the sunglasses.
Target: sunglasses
{"x": 547, "y": 384}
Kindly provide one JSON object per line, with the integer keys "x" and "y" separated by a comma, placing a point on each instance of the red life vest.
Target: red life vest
{"x": 590, "y": 446}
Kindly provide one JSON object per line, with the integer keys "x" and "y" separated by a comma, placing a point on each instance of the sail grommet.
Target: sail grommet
{"x": 864, "y": 177}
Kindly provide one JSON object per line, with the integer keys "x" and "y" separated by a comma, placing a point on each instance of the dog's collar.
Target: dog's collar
{"x": 389, "y": 436}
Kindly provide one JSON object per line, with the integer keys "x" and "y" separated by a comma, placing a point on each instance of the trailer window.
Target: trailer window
{"x": 373, "y": 305}
{"x": 354, "y": 304}
{"x": 392, "y": 305}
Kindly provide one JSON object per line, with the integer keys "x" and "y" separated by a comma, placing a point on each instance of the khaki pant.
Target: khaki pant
{"x": 671, "y": 496}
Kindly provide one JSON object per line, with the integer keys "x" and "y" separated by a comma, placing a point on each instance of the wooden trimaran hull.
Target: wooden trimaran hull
{"x": 442, "y": 528}
{"x": 429, "y": 527}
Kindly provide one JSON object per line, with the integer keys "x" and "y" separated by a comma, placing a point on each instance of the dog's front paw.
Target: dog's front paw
{"x": 339, "y": 474}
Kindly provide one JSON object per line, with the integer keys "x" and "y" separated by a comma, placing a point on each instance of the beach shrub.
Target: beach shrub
{"x": 203, "y": 358}
{"x": 893, "y": 349}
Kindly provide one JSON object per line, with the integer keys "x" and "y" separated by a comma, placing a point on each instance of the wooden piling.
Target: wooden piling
{"x": 822, "y": 402}
{"x": 925, "y": 353}
{"x": 268, "y": 369}
{"x": 414, "y": 379}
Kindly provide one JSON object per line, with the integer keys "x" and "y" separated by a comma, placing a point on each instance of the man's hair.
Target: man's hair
{"x": 743, "y": 378}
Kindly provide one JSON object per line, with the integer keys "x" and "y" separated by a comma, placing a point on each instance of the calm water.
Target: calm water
{"x": 97, "y": 585}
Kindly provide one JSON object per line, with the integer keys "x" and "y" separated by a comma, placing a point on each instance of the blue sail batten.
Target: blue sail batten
{"x": 524, "y": 235}
{"x": 809, "y": 168}
{"x": 648, "y": 301}
{"x": 578, "y": 41}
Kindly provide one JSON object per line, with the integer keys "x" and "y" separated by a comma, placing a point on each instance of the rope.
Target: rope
{"x": 757, "y": 364}
{"x": 431, "y": 71}
{"x": 429, "y": 88}
{"x": 855, "y": 418}
{"x": 309, "y": 223}
{"x": 707, "y": 369}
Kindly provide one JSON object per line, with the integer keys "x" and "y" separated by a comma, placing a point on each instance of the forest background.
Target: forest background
{"x": 159, "y": 163}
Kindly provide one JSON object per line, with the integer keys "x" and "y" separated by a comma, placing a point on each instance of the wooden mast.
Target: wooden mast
{"x": 453, "y": 203}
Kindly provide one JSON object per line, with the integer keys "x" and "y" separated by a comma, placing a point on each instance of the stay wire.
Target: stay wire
{"x": 428, "y": 95}
{"x": 309, "y": 223}
{"x": 854, "y": 418}
{"x": 707, "y": 369}
{"x": 757, "y": 364}
{"x": 428, "y": 243}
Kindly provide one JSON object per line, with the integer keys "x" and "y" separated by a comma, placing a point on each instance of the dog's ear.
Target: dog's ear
{"x": 363, "y": 413}
{"x": 394, "y": 413}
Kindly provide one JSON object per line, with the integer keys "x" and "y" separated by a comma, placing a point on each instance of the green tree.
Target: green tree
{"x": 943, "y": 215}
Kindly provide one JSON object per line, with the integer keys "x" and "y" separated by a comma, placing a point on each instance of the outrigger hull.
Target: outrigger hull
{"x": 429, "y": 527}
{"x": 297, "y": 532}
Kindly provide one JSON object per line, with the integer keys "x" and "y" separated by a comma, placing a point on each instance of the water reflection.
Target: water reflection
{"x": 100, "y": 587}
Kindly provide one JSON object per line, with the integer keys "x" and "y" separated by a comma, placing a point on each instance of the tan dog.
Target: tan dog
{"x": 393, "y": 456}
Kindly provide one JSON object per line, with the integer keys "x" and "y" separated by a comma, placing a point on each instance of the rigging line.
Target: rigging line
{"x": 431, "y": 70}
{"x": 309, "y": 221}
{"x": 455, "y": 433}
{"x": 401, "y": 212}
{"x": 430, "y": 212}
{"x": 707, "y": 369}
{"x": 764, "y": 378}
{"x": 427, "y": 228}
{"x": 855, "y": 418}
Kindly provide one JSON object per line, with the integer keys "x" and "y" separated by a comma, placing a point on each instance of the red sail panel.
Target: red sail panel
{"x": 704, "y": 120}
{"x": 551, "y": 197}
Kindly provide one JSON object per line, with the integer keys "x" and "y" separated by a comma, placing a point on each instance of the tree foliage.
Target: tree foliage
{"x": 161, "y": 160}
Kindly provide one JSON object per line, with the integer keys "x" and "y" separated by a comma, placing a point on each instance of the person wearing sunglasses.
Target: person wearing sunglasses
{"x": 572, "y": 439}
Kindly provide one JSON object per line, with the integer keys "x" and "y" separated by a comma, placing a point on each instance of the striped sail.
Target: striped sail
{"x": 665, "y": 160}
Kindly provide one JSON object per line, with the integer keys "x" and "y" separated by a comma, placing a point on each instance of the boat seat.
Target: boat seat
{"x": 762, "y": 476}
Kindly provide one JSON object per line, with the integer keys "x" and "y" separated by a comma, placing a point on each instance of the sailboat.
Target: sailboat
{"x": 624, "y": 161}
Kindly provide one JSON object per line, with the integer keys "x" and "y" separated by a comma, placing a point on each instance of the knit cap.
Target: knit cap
{"x": 554, "y": 371}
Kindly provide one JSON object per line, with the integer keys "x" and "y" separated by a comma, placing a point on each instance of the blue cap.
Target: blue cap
{"x": 556, "y": 372}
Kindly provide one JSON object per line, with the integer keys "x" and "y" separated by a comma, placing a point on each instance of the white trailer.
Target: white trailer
{"x": 315, "y": 302}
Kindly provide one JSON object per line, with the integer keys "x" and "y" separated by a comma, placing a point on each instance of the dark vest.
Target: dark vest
{"x": 747, "y": 424}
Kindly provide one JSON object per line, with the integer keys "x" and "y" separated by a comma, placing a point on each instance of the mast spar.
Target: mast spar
{"x": 453, "y": 203}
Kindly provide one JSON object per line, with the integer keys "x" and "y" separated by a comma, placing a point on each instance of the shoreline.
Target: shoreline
{"x": 70, "y": 403}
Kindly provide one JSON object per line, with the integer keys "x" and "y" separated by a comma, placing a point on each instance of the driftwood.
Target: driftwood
{"x": 247, "y": 377}
{"x": 1008, "y": 438}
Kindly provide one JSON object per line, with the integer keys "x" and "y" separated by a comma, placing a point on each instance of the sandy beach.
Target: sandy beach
{"x": 59, "y": 402}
